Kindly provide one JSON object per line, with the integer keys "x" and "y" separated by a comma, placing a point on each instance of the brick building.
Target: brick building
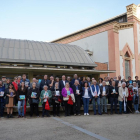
{"x": 113, "y": 44}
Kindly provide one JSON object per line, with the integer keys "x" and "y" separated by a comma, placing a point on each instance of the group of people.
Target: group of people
{"x": 70, "y": 94}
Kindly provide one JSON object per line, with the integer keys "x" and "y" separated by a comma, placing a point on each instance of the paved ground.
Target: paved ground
{"x": 113, "y": 127}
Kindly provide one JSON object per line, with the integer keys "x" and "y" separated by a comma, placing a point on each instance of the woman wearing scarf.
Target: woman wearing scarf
{"x": 123, "y": 94}
{"x": 45, "y": 95}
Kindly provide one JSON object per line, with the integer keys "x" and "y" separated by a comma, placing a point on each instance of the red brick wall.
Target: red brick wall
{"x": 102, "y": 66}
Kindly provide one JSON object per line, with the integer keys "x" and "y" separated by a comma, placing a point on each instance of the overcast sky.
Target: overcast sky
{"x": 46, "y": 20}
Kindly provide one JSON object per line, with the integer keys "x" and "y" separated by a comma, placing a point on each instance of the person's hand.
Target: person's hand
{"x": 103, "y": 95}
{"x": 131, "y": 95}
{"x": 122, "y": 99}
{"x": 96, "y": 96}
{"x": 116, "y": 93}
{"x": 89, "y": 99}
{"x": 112, "y": 93}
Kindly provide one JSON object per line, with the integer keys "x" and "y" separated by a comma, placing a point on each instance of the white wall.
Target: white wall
{"x": 126, "y": 36}
{"x": 98, "y": 44}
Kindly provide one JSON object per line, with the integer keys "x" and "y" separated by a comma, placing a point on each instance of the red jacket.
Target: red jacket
{"x": 130, "y": 92}
{"x": 15, "y": 85}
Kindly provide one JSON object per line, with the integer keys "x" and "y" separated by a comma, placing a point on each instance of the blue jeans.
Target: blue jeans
{"x": 1, "y": 109}
{"x": 22, "y": 102}
{"x": 86, "y": 104}
{"x": 94, "y": 105}
{"x": 136, "y": 106}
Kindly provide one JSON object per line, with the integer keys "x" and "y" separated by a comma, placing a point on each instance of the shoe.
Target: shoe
{"x": 79, "y": 114}
{"x": 11, "y": 116}
{"x": 116, "y": 112}
{"x": 111, "y": 113}
{"x": 53, "y": 115}
{"x": 99, "y": 113}
{"x": 88, "y": 114}
{"x": 19, "y": 116}
{"x": 85, "y": 114}
{"x": 48, "y": 115}
{"x": 58, "y": 115}
{"x": 138, "y": 112}
{"x": 42, "y": 116}
{"x": 74, "y": 114}
{"x": 7, "y": 115}
{"x": 94, "y": 113}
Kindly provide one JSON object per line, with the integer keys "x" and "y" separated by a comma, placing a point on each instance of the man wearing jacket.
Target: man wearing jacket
{"x": 113, "y": 92}
{"x": 62, "y": 82}
{"x": 77, "y": 93}
{"x": 43, "y": 82}
{"x": 95, "y": 91}
{"x": 103, "y": 96}
{"x": 25, "y": 80}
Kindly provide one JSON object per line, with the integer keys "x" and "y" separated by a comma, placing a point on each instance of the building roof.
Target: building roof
{"x": 116, "y": 18}
{"x": 25, "y": 51}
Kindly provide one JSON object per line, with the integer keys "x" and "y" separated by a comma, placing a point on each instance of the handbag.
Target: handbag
{"x": 47, "y": 106}
{"x": 35, "y": 101}
{"x": 70, "y": 102}
{"x": 66, "y": 98}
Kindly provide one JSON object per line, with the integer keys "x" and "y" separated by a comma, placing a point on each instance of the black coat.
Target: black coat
{"x": 74, "y": 90}
{"x": 30, "y": 92}
{"x": 111, "y": 90}
{"x": 117, "y": 82}
{"x": 42, "y": 83}
{"x": 61, "y": 85}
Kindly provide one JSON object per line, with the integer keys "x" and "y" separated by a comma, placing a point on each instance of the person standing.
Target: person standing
{"x": 22, "y": 91}
{"x": 25, "y": 80}
{"x": 44, "y": 96}
{"x": 75, "y": 78}
{"x": 130, "y": 99}
{"x": 113, "y": 92}
{"x": 33, "y": 95}
{"x": 104, "y": 92}
{"x": 66, "y": 92}
{"x": 129, "y": 82}
{"x": 51, "y": 83}
{"x": 10, "y": 93}
{"x": 77, "y": 93}
{"x": 44, "y": 81}
{"x": 62, "y": 83}
{"x": 100, "y": 81}
{"x": 135, "y": 97}
{"x": 2, "y": 89}
{"x": 56, "y": 100}
{"x": 95, "y": 91}
{"x": 119, "y": 82}
{"x": 34, "y": 80}
{"x": 86, "y": 94}
{"x": 123, "y": 94}
{"x": 137, "y": 81}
